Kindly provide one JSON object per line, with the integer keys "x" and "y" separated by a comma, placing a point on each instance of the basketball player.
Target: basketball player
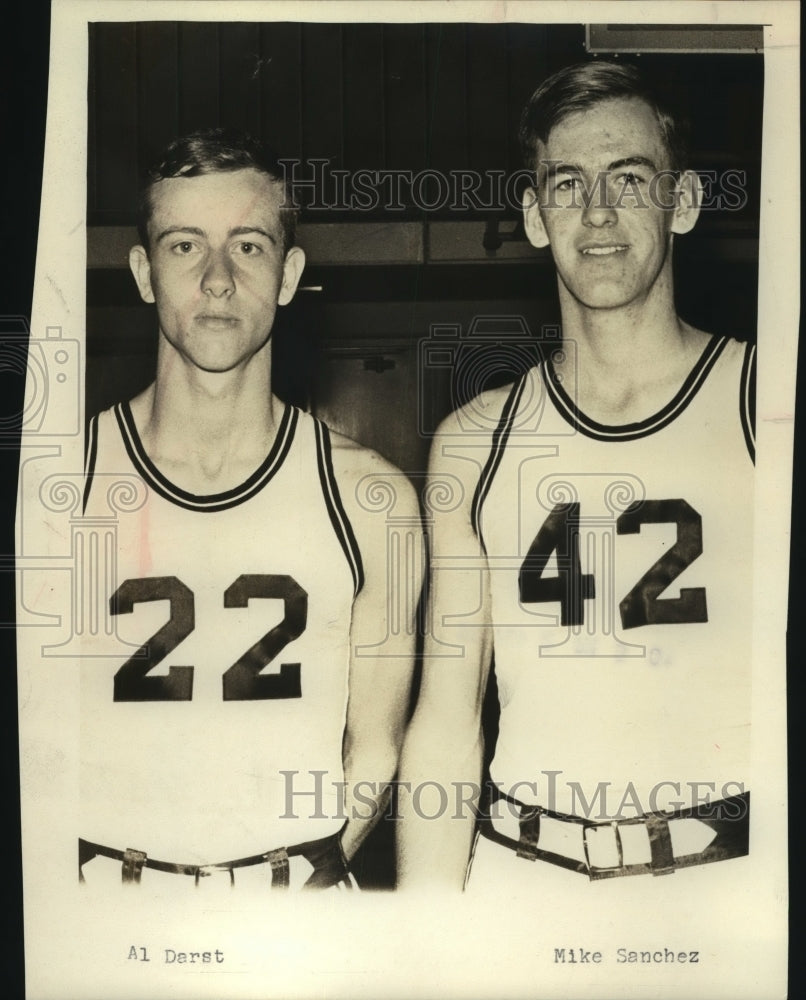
{"x": 246, "y": 676}
{"x": 600, "y": 552}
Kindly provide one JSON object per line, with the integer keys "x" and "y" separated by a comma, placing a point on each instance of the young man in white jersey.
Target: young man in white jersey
{"x": 601, "y": 553}
{"x": 246, "y": 676}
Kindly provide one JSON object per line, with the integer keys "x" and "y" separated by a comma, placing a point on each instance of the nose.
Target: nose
{"x": 217, "y": 279}
{"x": 599, "y": 208}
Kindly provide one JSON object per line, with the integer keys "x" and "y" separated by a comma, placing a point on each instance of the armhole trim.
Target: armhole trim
{"x": 499, "y": 440}
{"x": 747, "y": 400}
{"x": 335, "y": 507}
{"x": 90, "y": 457}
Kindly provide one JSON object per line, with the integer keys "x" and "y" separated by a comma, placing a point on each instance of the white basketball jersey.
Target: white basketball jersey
{"x": 621, "y": 580}
{"x": 214, "y": 691}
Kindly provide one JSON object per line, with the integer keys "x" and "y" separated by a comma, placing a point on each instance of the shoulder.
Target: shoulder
{"x": 722, "y": 360}
{"x": 104, "y": 418}
{"x": 733, "y": 361}
{"x": 132, "y": 411}
{"x": 460, "y": 451}
{"x": 376, "y": 496}
{"x": 481, "y": 415}
{"x": 101, "y": 432}
{"x": 353, "y": 461}
{"x": 741, "y": 366}
{"x": 738, "y": 352}
{"x": 465, "y": 439}
{"x": 105, "y": 451}
{"x": 728, "y": 368}
{"x": 712, "y": 348}
{"x": 369, "y": 483}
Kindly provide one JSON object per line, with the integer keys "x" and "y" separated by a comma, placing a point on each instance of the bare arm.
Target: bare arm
{"x": 444, "y": 744}
{"x": 383, "y": 509}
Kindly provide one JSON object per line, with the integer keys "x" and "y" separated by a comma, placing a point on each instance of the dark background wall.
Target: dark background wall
{"x": 370, "y": 96}
{"x": 375, "y": 97}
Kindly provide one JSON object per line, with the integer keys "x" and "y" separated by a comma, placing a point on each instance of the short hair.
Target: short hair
{"x": 581, "y": 86}
{"x": 211, "y": 151}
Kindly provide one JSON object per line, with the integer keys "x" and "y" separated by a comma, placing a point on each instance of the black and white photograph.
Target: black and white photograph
{"x": 404, "y": 493}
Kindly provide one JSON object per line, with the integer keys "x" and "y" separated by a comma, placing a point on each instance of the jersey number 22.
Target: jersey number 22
{"x": 243, "y": 681}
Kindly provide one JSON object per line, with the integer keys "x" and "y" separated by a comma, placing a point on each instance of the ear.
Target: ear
{"x": 532, "y": 220}
{"x": 140, "y": 267}
{"x": 293, "y": 267}
{"x": 688, "y": 201}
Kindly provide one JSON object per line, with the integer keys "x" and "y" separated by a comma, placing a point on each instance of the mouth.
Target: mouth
{"x": 216, "y": 319}
{"x": 607, "y": 250}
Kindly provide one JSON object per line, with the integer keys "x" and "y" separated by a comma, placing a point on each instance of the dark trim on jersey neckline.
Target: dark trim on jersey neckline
{"x": 571, "y": 413}
{"x": 215, "y": 501}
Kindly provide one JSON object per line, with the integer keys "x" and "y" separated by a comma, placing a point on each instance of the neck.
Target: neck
{"x": 625, "y": 363}
{"x": 207, "y": 431}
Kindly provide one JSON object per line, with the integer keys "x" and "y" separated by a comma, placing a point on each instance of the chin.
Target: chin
{"x": 605, "y": 296}
{"x": 217, "y": 366}
{"x": 604, "y": 301}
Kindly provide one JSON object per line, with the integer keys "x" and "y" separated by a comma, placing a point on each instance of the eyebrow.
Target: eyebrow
{"x": 634, "y": 161}
{"x": 196, "y": 231}
{"x": 248, "y": 230}
{"x": 554, "y": 168}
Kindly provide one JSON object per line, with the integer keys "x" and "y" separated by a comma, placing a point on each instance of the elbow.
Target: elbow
{"x": 444, "y": 751}
{"x": 375, "y": 761}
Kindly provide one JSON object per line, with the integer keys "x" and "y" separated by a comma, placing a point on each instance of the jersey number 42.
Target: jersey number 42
{"x": 643, "y": 605}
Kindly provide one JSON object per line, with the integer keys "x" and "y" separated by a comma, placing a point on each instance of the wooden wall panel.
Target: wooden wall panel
{"x": 374, "y": 97}
{"x": 405, "y": 88}
{"x": 239, "y": 73}
{"x": 158, "y": 91}
{"x": 117, "y": 151}
{"x": 321, "y": 71}
{"x": 528, "y": 58}
{"x": 487, "y": 90}
{"x": 447, "y": 107}
{"x": 364, "y": 124}
{"x": 281, "y": 88}
{"x": 198, "y": 57}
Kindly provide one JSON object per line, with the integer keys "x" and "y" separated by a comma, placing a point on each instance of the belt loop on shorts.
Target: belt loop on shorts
{"x": 660, "y": 844}
{"x": 86, "y": 852}
{"x": 133, "y": 862}
{"x": 280, "y": 869}
{"x": 529, "y": 834}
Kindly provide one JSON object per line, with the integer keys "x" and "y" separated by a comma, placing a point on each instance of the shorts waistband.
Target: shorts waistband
{"x": 654, "y": 843}
{"x": 323, "y": 855}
